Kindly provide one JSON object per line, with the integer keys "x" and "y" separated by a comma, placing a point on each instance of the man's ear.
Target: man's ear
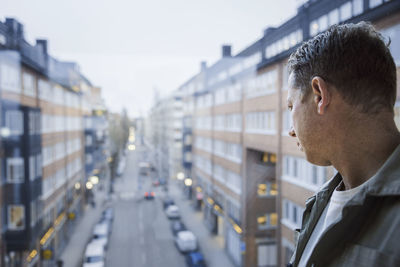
{"x": 321, "y": 94}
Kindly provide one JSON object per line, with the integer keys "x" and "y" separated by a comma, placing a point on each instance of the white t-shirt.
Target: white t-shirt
{"x": 330, "y": 214}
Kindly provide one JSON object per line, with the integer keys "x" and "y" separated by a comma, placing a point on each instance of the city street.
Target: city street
{"x": 141, "y": 234}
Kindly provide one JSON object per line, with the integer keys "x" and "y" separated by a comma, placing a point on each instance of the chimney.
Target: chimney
{"x": 269, "y": 30}
{"x": 43, "y": 44}
{"x": 15, "y": 29}
{"x": 203, "y": 66}
{"x": 226, "y": 51}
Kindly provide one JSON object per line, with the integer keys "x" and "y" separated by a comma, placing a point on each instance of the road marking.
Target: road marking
{"x": 144, "y": 258}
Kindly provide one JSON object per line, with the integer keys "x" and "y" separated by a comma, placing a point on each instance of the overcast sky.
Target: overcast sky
{"x": 130, "y": 47}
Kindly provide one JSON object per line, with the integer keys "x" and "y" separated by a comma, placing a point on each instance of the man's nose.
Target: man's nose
{"x": 292, "y": 133}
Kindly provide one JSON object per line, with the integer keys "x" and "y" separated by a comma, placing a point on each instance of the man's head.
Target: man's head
{"x": 349, "y": 63}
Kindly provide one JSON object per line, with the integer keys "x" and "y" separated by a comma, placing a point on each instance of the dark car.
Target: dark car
{"x": 195, "y": 259}
{"x": 177, "y": 226}
{"x": 149, "y": 195}
{"x": 167, "y": 202}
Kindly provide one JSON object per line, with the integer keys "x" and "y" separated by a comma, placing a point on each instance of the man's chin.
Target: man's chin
{"x": 316, "y": 160}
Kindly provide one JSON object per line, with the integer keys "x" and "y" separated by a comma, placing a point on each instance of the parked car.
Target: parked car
{"x": 94, "y": 255}
{"x": 167, "y": 202}
{"x": 100, "y": 233}
{"x": 177, "y": 226}
{"x": 195, "y": 259}
{"x": 149, "y": 195}
{"x": 172, "y": 212}
{"x": 107, "y": 215}
{"x": 156, "y": 183}
{"x": 186, "y": 241}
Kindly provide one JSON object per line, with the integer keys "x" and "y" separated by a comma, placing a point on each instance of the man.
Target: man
{"x": 342, "y": 90}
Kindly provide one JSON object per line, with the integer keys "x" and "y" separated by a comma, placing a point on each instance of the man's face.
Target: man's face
{"x": 306, "y": 126}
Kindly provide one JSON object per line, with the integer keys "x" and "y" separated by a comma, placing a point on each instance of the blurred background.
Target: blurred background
{"x": 154, "y": 133}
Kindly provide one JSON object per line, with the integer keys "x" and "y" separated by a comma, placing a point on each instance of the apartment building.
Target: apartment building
{"x": 252, "y": 179}
{"x": 42, "y": 145}
{"x": 95, "y": 135}
{"x": 164, "y": 134}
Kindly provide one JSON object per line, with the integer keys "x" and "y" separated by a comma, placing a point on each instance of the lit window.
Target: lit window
{"x": 273, "y": 219}
{"x": 16, "y": 217}
{"x": 314, "y": 28}
{"x": 262, "y": 190}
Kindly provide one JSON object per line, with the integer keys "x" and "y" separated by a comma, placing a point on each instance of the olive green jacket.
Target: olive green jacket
{"x": 368, "y": 231}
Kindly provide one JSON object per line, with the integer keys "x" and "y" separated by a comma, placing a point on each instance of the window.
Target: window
{"x": 234, "y": 182}
{"x": 9, "y": 78}
{"x": 284, "y": 43}
{"x": 314, "y": 28}
{"x": 345, "y": 11}
{"x": 397, "y": 114}
{"x": 267, "y": 189}
{"x": 314, "y": 175}
{"x": 234, "y": 152}
{"x": 292, "y": 213}
{"x": 14, "y": 122}
{"x": 233, "y": 122}
{"x": 44, "y": 90}
{"x": 38, "y": 165}
{"x": 357, "y": 7}
{"x": 267, "y": 255}
{"x": 32, "y": 168}
{"x": 300, "y": 172}
{"x": 394, "y": 34}
{"x": 287, "y": 122}
{"x": 15, "y": 170}
{"x": 262, "y": 84}
{"x": 89, "y": 140}
{"x": 323, "y": 23}
{"x": 261, "y": 122}
{"x": 16, "y": 217}
{"x": 375, "y": 3}
{"x": 220, "y": 96}
{"x": 219, "y": 122}
{"x": 334, "y": 17}
{"x": 29, "y": 84}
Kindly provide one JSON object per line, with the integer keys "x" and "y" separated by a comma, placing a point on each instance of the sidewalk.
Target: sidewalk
{"x": 73, "y": 252}
{"x": 210, "y": 245}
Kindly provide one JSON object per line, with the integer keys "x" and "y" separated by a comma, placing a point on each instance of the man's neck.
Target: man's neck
{"x": 362, "y": 152}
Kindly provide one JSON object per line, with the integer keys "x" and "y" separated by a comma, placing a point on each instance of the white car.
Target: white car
{"x": 186, "y": 241}
{"x": 172, "y": 212}
{"x": 100, "y": 234}
{"x": 94, "y": 255}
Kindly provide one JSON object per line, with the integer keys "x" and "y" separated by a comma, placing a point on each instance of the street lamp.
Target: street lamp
{"x": 78, "y": 186}
{"x": 188, "y": 182}
{"x": 89, "y": 185}
{"x": 94, "y": 179}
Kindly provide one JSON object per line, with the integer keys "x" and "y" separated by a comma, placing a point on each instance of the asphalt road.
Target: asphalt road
{"x": 141, "y": 234}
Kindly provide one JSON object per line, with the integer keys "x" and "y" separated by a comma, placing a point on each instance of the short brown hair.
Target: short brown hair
{"x": 355, "y": 60}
